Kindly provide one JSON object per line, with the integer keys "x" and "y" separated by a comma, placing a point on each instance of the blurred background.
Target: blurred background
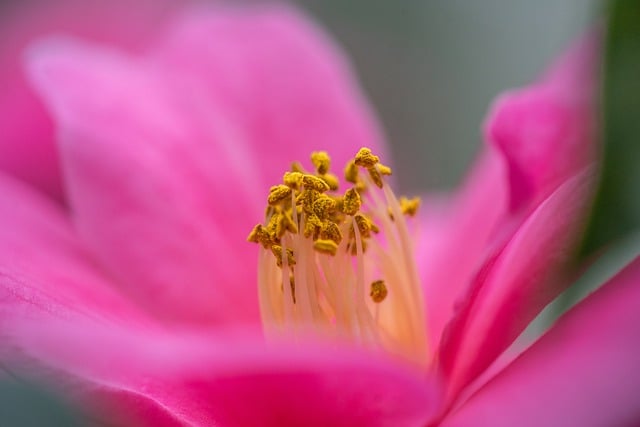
{"x": 432, "y": 68}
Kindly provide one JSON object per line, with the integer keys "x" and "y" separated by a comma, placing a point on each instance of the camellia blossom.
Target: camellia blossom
{"x": 138, "y": 294}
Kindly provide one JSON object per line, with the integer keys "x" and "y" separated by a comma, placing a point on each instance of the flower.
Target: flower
{"x": 140, "y": 294}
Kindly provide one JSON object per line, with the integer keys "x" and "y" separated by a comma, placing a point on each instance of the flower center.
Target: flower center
{"x": 341, "y": 264}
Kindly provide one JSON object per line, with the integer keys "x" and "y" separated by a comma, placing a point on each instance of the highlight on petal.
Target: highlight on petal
{"x": 583, "y": 372}
{"x": 227, "y": 380}
{"x": 514, "y": 285}
{"x": 27, "y": 146}
{"x": 279, "y": 76}
{"x": 546, "y": 131}
{"x": 161, "y": 184}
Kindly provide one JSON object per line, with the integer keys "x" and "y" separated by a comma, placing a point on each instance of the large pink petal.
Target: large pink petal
{"x": 280, "y": 77}
{"x": 44, "y": 270}
{"x": 546, "y": 131}
{"x": 161, "y": 185}
{"x": 583, "y": 372}
{"x": 27, "y": 147}
{"x": 455, "y": 242}
{"x": 514, "y": 285}
{"x": 155, "y": 379}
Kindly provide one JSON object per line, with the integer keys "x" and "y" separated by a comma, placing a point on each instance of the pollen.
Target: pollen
{"x": 378, "y": 291}
{"x": 320, "y": 247}
{"x": 321, "y": 161}
{"x": 366, "y": 158}
{"x": 277, "y": 194}
{"x": 351, "y": 202}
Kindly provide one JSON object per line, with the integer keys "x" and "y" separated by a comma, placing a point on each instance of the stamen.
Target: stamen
{"x": 320, "y": 247}
{"x": 378, "y": 291}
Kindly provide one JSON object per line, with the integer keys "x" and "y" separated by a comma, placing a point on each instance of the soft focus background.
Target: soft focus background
{"x": 431, "y": 68}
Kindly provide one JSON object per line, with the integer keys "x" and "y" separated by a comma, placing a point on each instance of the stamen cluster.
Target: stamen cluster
{"x": 313, "y": 267}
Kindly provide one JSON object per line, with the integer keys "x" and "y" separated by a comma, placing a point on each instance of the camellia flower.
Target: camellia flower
{"x": 138, "y": 295}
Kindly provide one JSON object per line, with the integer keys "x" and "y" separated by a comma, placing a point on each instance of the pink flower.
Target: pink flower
{"x": 141, "y": 295}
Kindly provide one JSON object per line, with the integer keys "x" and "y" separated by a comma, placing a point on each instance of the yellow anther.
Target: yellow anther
{"x": 297, "y": 167}
{"x": 259, "y": 235}
{"x": 325, "y": 246}
{"x": 275, "y": 228}
{"x": 321, "y": 161}
{"x": 306, "y": 199}
{"x": 383, "y": 169}
{"x": 331, "y": 231}
{"x": 331, "y": 180}
{"x": 366, "y": 158}
{"x": 286, "y": 223}
{"x": 351, "y": 203}
{"x": 378, "y": 291}
{"x": 361, "y": 186}
{"x": 375, "y": 176}
{"x": 312, "y": 227}
{"x": 324, "y": 206}
{"x": 292, "y": 179}
{"x": 409, "y": 206}
{"x": 277, "y": 252}
{"x": 365, "y": 225}
{"x": 351, "y": 172}
{"x": 315, "y": 183}
{"x": 278, "y": 193}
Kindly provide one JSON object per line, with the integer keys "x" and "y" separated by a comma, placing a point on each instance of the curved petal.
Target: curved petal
{"x": 514, "y": 285}
{"x": 27, "y": 147}
{"x": 44, "y": 271}
{"x": 277, "y": 75}
{"x": 232, "y": 380}
{"x": 583, "y": 372}
{"x": 453, "y": 244}
{"x": 546, "y": 131}
{"x": 161, "y": 185}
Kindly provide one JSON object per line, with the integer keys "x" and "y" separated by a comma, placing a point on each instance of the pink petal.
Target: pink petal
{"x": 27, "y": 147}
{"x": 161, "y": 185}
{"x": 232, "y": 380}
{"x": 546, "y": 131}
{"x": 455, "y": 242}
{"x": 583, "y": 372}
{"x": 514, "y": 285}
{"x": 280, "y": 77}
{"x": 44, "y": 271}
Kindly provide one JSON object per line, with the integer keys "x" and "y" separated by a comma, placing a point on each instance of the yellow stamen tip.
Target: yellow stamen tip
{"x": 409, "y": 206}
{"x": 365, "y": 225}
{"x": 321, "y": 161}
{"x": 331, "y": 231}
{"x": 278, "y": 193}
{"x": 351, "y": 172}
{"x": 383, "y": 169}
{"x": 326, "y": 246}
{"x": 315, "y": 183}
{"x": 292, "y": 179}
{"x": 351, "y": 203}
{"x": 378, "y": 291}
{"x": 375, "y": 176}
{"x": 365, "y": 158}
